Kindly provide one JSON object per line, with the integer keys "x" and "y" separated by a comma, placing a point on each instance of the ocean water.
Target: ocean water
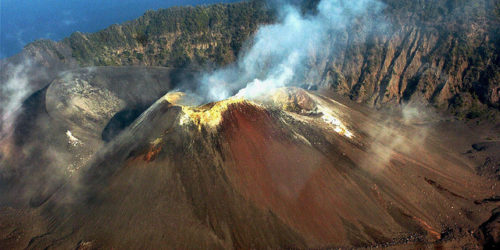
{"x": 24, "y": 21}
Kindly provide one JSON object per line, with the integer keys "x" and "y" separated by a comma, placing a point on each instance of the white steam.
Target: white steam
{"x": 280, "y": 53}
{"x": 13, "y": 90}
{"x": 404, "y": 136}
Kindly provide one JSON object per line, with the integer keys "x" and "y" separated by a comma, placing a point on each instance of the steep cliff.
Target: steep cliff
{"x": 444, "y": 52}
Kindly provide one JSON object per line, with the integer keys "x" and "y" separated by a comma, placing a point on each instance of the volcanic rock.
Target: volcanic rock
{"x": 248, "y": 174}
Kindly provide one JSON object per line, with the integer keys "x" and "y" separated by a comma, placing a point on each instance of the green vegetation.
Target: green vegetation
{"x": 178, "y": 36}
{"x": 444, "y": 51}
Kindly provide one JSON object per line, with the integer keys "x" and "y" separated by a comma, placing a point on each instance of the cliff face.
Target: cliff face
{"x": 444, "y": 52}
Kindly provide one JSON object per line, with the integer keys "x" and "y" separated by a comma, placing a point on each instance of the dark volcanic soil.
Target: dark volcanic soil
{"x": 244, "y": 174}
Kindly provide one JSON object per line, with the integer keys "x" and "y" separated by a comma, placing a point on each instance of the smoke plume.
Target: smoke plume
{"x": 280, "y": 54}
{"x": 13, "y": 90}
{"x": 400, "y": 131}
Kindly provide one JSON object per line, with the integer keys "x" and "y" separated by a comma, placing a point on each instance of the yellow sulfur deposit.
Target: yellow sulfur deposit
{"x": 209, "y": 114}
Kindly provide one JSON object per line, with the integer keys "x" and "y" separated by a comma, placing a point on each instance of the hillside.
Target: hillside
{"x": 445, "y": 52}
{"x": 175, "y": 37}
{"x": 295, "y": 169}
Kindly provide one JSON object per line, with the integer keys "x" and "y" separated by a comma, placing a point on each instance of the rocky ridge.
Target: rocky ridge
{"x": 441, "y": 52}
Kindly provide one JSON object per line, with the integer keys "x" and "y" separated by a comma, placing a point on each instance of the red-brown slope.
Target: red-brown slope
{"x": 236, "y": 174}
{"x": 335, "y": 192}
